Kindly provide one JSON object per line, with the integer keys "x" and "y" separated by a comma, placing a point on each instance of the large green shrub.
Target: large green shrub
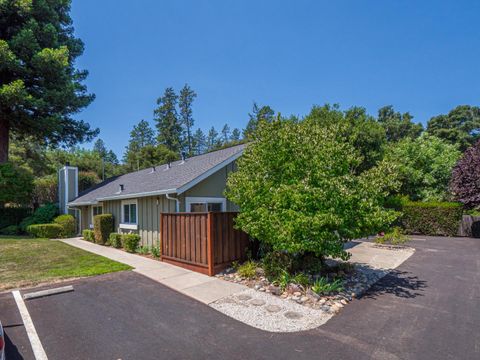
{"x": 102, "y": 227}
{"x": 16, "y": 184}
{"x": 11, "y": 230}
{"x": 43, "y": 215}
{"x": 130, "y": 242}
{"x": 115, "y": 240}
{"x": 49, "y": 231}
{"x": 302, "y": 189}
{"x": 13, "y": 215}
{"x": 432, "y": 218}
{"x": 67, "y": 222}
{"x": 88, "y": 235}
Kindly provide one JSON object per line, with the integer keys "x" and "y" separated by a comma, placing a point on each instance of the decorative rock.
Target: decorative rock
{"x": 273, "y": 308}
{"x": 244, "y": 297}
{"x": 344, "y": 302}
{"x": 257, "y": 302}
{"x": 262, "y": 289}
{"x": 275, "y": 290}
{"x": 292, "y": 315}
{"x": 297, "y": 293}
{"x": 257, "y": 287}
{"x": 303, "y": 299}
{"x": 322, "y": 301}
{"x": 325, "y": 308}
{"x": 293, "y": 288}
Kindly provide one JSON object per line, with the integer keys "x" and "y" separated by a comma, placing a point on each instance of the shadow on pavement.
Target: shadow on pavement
{"x": 399, "y": 283}
{"x": 11, "y": 351}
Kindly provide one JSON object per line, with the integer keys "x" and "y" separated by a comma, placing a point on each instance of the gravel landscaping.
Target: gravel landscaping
{"x": 267, "y": 307}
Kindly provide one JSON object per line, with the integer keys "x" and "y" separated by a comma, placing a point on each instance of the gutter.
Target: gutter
{"x": 177, "y": 202}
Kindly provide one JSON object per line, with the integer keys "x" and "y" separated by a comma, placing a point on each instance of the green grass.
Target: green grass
{"x": 27, "y": 261}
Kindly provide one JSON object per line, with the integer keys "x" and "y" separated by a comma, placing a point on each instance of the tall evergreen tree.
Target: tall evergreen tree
{"x": 235, "y": 135}
{"x": 199, "y": 142}
{"x": 40, "y": 88}
{"x": 100, "y": 148}
{"x": 168, "y": 126}
{"x": 226, "y": 133}
{"x": 187, "y": 95}
{"x": 213, "y": 142}
{"x": 258, "y": 114}
{"x": 141, "y": 136}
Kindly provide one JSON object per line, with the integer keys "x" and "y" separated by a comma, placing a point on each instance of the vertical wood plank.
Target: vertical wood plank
{"x": 210, "y": 245}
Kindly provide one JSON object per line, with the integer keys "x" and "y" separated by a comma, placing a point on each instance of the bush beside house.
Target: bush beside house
{"x": 102, "y": 227}
{"x": 49, "y": 231}
{"x": 67, "y": 222}
{"x": 88, "y": 235}
{"x": 130, "y": 242}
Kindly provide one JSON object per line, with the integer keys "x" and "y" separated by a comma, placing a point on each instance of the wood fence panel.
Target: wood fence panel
{"x": 203, "y": 242}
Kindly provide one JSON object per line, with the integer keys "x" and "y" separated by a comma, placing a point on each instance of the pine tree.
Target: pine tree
{"x": 187, "y": 95}
{"x": 213, "y": 142}
{"x": 141, "y": 136}
{"x": 40, "y": 86}
{"x": 199, "y": 142}
{"x": 226, "y": 133}
{"x": 235, "y": 135}
{"x": 264, "y": 113}
{"x": 168, "y": 126}
{"x": 100, "y": 148}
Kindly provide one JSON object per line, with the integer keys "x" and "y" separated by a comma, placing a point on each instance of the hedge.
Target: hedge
{"x": 67, "y": 222}
{"x": 88, "y": 235}
{"x": 102, "y": 227}
{"x": 432, "y": 218}
{"x": 49, "y": 231}
{"x": 43, "y": 215}
{"x": 130, "y": 242}
{"x": 115, "y": 240}
{"x": 11, "y": 230}
{"x": 13, "y": 216}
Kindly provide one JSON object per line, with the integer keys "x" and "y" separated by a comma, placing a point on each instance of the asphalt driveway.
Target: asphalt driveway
{"x": 428, "y": 309}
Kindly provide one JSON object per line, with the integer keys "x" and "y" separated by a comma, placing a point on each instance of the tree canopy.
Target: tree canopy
{"x": 424, "y": 166}
{"x": 461, "y": 126}
{"x": 397, "y": 125}
{"x": 299, "y": 190}
{"x": 40, "y": 88}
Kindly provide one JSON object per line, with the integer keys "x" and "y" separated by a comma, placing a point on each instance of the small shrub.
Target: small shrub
{"x": 301, "y": 279}
{"x": 115, "y": 240}
{"x": 130, "y": 242}
{"x": 67, "y": 222}
{"x": 88, "y": 235}
{"x": 283, "y": 280}
{"x": 49, "y": 231}
{"x": 394, "y": 237}
{"x": 11, "y": 230}
{"x": 102, "y": 227}
{"x": 143, "y": 250}
{"x": 248, "y": 269}
{"x": 155, "y": 251}
{"x": 432, "y": 218}
{"x": 276, "y": 263}
{"x": 322, "y": 286}
{"x": 476, "y": 229}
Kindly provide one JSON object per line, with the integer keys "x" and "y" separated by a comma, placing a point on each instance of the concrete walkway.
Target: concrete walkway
{"x": 200, "y": 287}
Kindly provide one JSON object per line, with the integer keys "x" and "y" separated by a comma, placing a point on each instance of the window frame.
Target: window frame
{"x": 129, "y": 225}
{"x": 205, "y": 200}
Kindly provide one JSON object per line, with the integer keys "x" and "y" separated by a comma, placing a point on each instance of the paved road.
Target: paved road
{"x": 428, "y": 309}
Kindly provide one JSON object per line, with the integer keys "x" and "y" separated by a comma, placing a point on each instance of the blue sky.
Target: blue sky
{"x": 420, "y": 56}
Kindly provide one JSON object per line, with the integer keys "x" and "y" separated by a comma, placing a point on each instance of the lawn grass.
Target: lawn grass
{"x": 26, "y": 261}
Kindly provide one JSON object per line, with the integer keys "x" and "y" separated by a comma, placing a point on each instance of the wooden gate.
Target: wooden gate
{"x": 202, "y": 242}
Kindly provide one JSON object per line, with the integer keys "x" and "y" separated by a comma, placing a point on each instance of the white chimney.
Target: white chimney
{"x": 67, "y": 186}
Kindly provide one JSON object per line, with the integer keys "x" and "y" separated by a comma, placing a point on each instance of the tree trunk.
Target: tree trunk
{"x": 4, "y": 138}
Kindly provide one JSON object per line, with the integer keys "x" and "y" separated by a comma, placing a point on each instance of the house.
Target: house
{"x": 137, "y": 199}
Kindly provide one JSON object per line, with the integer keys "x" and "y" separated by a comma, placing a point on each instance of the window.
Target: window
{"x": 129, "y": 212}
{"x": 197, "y": 204}
{"x": 97, "y": 210}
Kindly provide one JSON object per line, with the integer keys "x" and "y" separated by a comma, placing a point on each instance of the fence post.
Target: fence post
{"x": 160, "y": 245}
{"x": 210, "y": 248}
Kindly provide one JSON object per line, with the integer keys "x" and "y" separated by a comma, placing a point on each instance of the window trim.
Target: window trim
{"x": 129, "y": 225}
{"x": 204, "y": 200}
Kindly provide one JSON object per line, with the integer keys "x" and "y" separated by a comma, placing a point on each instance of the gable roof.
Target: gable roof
{"x": 180, "y": 177}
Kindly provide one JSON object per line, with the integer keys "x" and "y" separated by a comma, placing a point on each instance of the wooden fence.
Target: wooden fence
{"x": 202, "y": 242}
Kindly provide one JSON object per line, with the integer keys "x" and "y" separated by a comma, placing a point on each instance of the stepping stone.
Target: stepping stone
{"x": 257, "y": 302}
{"x": 244, "y": 297}
{"x": 273, "y": 308}
{"x": 292, "y": 315}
